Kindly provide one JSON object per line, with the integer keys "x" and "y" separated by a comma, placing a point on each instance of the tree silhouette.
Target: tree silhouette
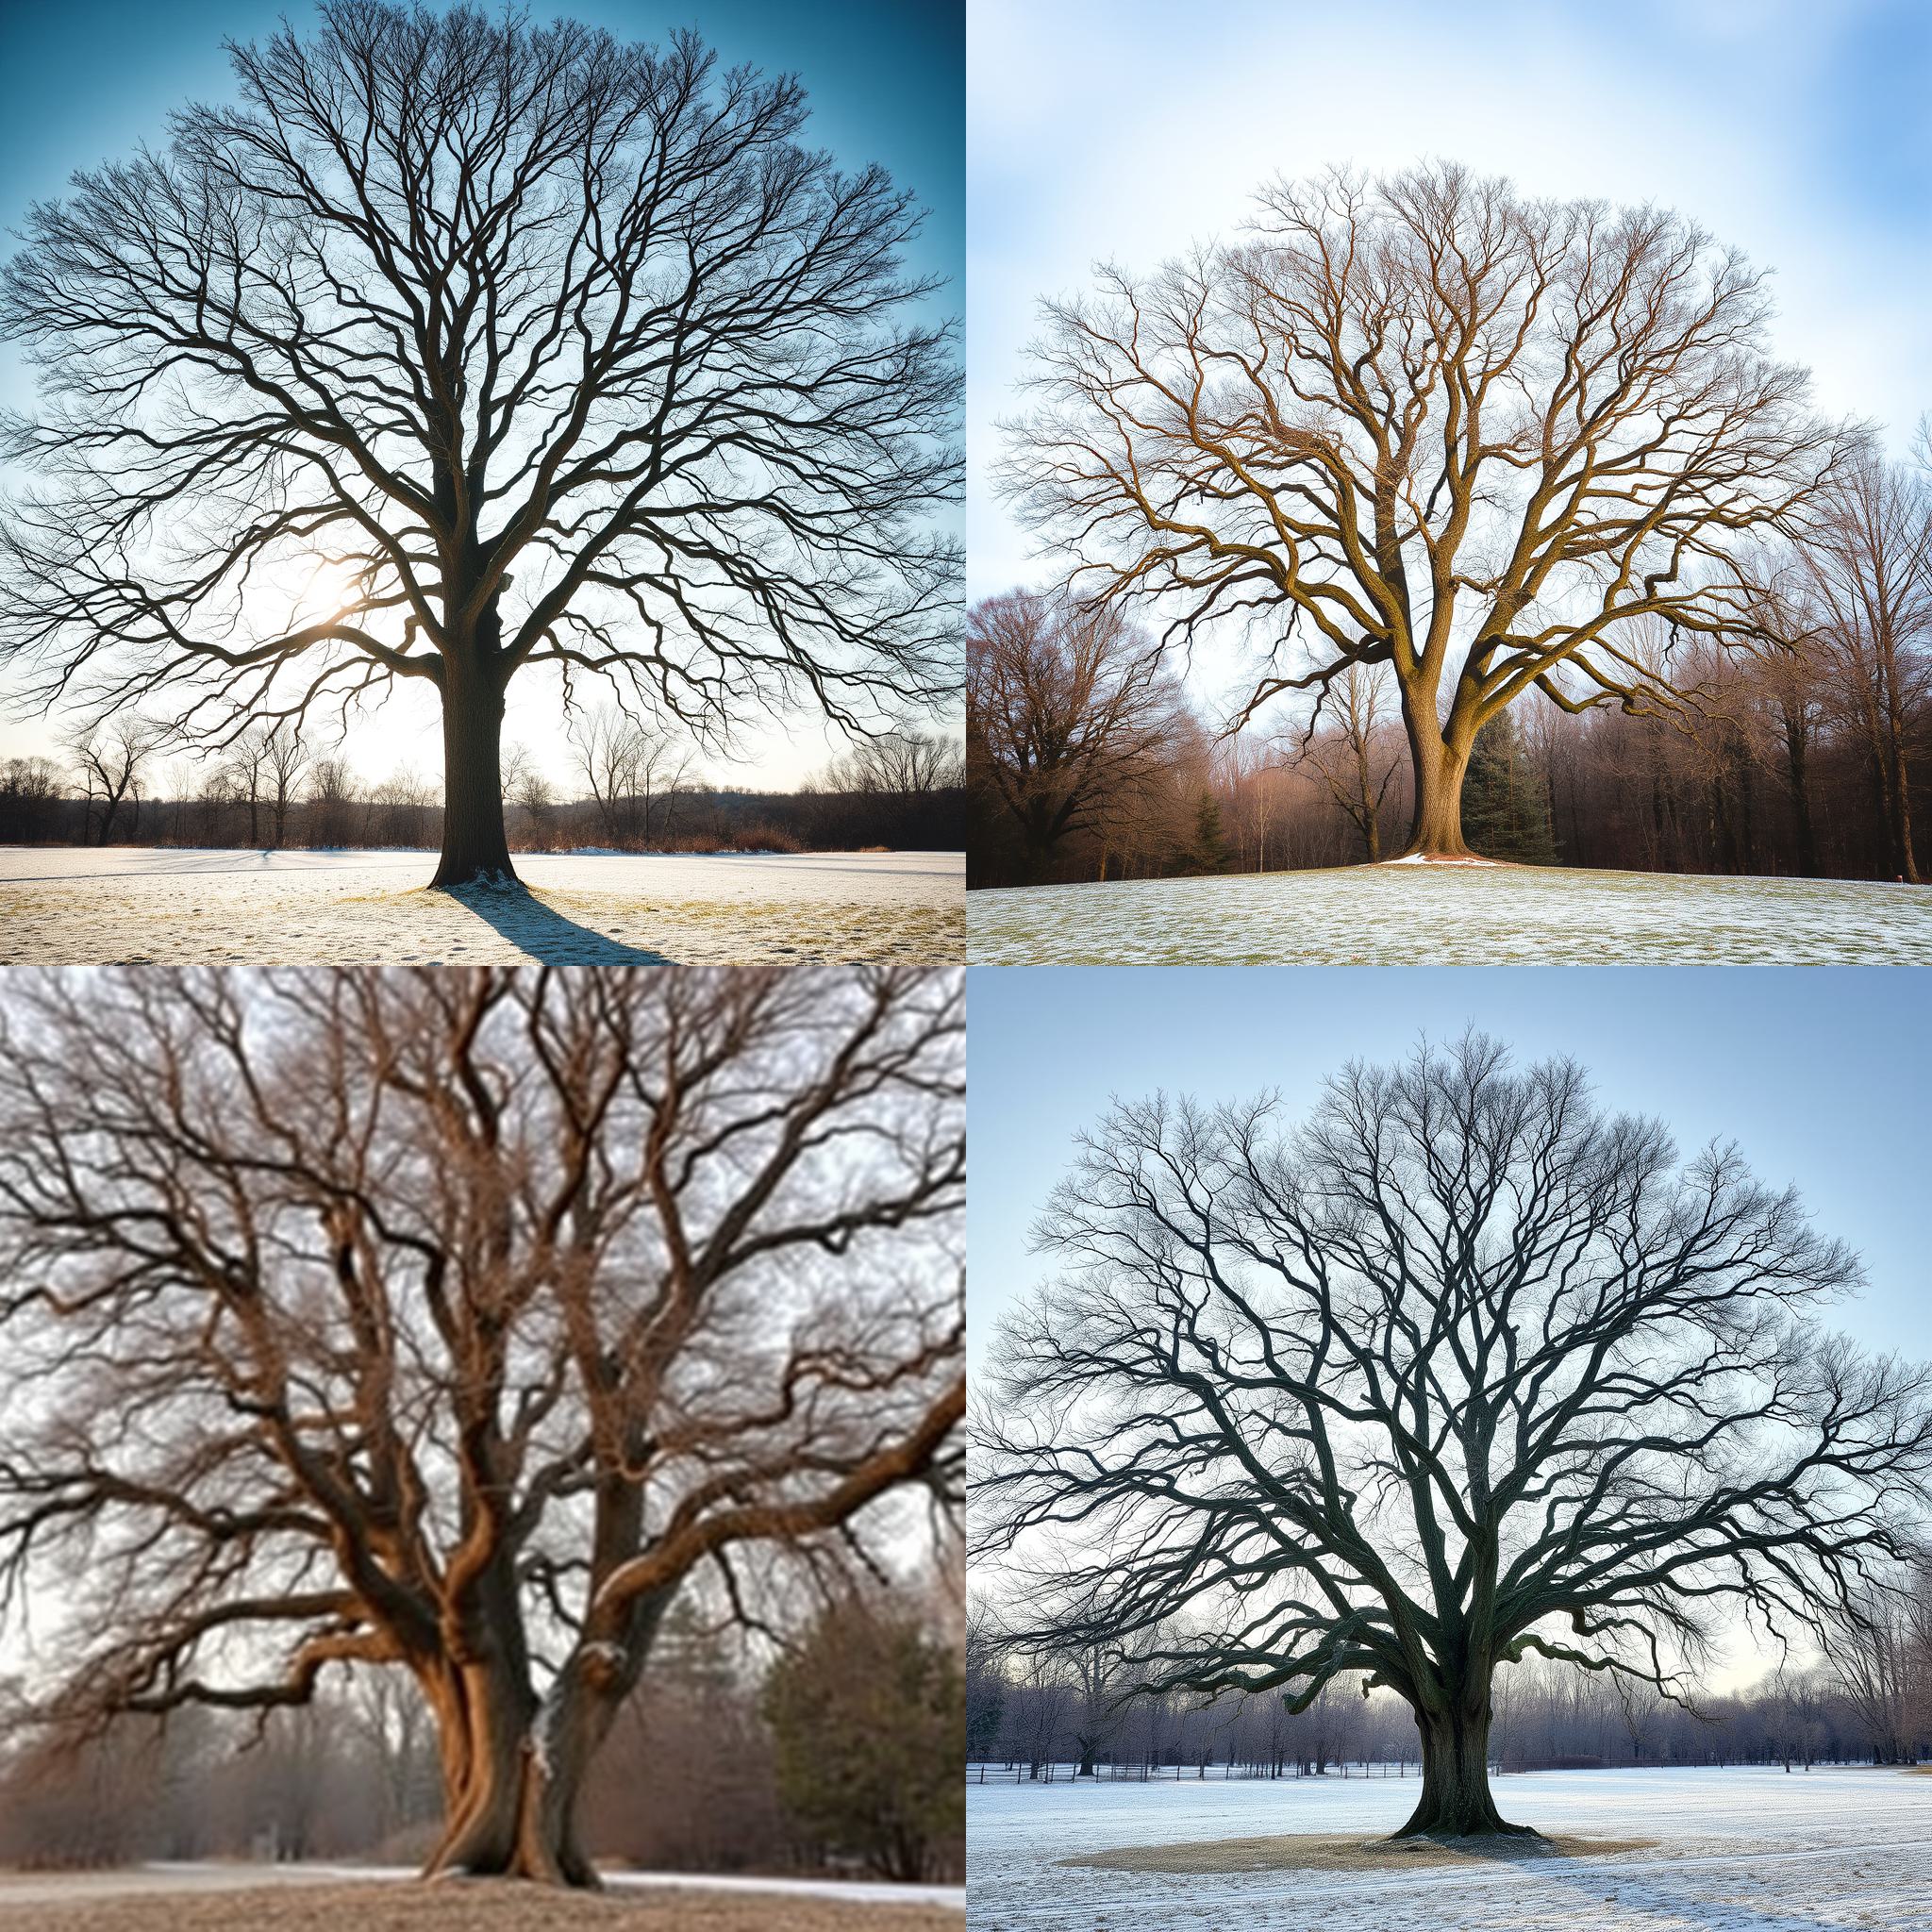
{"x": 462, "y": 1324}
{"x": 1426, "y": 422}
{"x": 1459, "y": 1372}
{"x": 463, "y": 345}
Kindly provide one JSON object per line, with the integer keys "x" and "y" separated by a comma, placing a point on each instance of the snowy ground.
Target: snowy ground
{"x": 1736, "y": 1851}
{"x": 136, "y": 904}
{"x": 1400, "y": 915}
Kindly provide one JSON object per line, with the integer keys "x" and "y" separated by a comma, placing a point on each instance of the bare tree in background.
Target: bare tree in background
{"x": 464, "y": 345}
{"x": 332, "y": 792}
{"x": 898, "y": 763}
{"x": 1867, "y": 561}
{"x": 1424, "y": 421}
{"x": 287, "y": 760}
{"x": 1880, "y": 1665}
{"x": 1460, "y": 1371}
{"x": 631, "y": 769}
{"x": 1348, "y": 753}
{"x": 468, "y": 1319}
{"x": 248, "y": 772}
{"x": 30, "y": 796}
{"x": 1070, "y": 715}
{"x": 112, "y": 757}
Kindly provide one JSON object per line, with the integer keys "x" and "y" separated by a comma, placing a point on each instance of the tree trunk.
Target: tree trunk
{"x": 1902, "y": 800}
{"x": 1797, "y": 764}
{"x": 511, "y": 1773}
{"x": 1440, "y": 763}
{"x": 1456, "y": 1801}
{"x": 474, "y": 847}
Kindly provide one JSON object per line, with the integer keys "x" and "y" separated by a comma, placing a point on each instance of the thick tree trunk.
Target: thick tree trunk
{"x": 1456, "y": 1801}
{"x": 474, "y": 847}
{"x": 513, "y": 1774}
{"x": 1440, "y": 763}
{"x": 514, "y": 1767}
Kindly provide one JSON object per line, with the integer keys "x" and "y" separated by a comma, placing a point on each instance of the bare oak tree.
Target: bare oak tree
{"x": 111, "y": 759}
{"x": 1459, "y": 1370}
{"x": 459, "y": 1322}
{"x": 463, "y": 345}
{"x": 1345, "y": 755}
{"x": 1427, "y": 423}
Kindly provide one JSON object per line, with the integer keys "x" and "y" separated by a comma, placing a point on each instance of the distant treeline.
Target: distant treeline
{"x": 715, "y": 1766}
{"x": 633, "y": 790}
{"x": 1868, "y": 1699}
{"x": 1088, "y": 758}
{"x": 1548, "y": 1717}
{"x": 1793, "y": 776}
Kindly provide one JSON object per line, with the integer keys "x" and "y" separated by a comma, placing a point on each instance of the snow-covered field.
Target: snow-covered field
{"x": 1743, "y": 1850}
{"x": 1438, "y": 915}
{"x": 140, "y": 905}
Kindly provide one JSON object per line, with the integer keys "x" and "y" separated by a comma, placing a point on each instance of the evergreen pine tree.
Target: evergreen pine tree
{"x": 1207, "y": 849}
{"x": 1505, "y": 807}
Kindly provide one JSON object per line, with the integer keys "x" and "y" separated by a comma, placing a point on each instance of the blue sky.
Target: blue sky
{"x": 1128, "y": 128}
{"x": 83, "y": 81}
{"x": 1824, "y": 1078}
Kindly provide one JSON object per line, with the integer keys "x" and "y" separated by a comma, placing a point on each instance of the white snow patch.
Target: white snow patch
{"x": 175, "y": 1877}
{"x": 1424, "y": 858}
{"x": 840, "y": 1891}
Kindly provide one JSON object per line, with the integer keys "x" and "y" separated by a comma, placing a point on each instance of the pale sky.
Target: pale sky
{"x": 1125, "y": 130}
{"x": 1823, "y": 1077}
{"x": 87, "y": 81}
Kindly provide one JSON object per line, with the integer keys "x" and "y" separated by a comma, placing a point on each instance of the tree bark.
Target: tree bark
{"x": 514, "y": 1769}
{"x": 475, "y": 846}
{"x": 1440, "y": 761}
{"x": 1901, "y": 791}
{"x": 1797, "y": 766}
{"x": 1456, "y": 1800}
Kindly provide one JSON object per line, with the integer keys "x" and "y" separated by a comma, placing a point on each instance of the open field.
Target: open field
{"x": 242, "y": 1898}
{"x": 1746, "y": 1850}
{"x": 1440, "y": 915}
{"x": 145, "y": 906}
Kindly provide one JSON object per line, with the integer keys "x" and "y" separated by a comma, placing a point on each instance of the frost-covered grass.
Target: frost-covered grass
{"x": 146, "y": 906}
{"x": 1744, "y": 1849}
{"x": 1436, "y": 915}
{"x": 320, "y": 1898}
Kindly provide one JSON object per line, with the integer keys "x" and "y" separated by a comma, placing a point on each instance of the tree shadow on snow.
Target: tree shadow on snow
{"x": 544, "y": 933}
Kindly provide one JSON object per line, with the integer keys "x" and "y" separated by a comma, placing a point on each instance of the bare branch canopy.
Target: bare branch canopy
{"x": 460, "y": 346}
{"x": 458, "y": 1322}
{"x": 1424, "y": 422}
{"x": 1461, "y": 1370}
